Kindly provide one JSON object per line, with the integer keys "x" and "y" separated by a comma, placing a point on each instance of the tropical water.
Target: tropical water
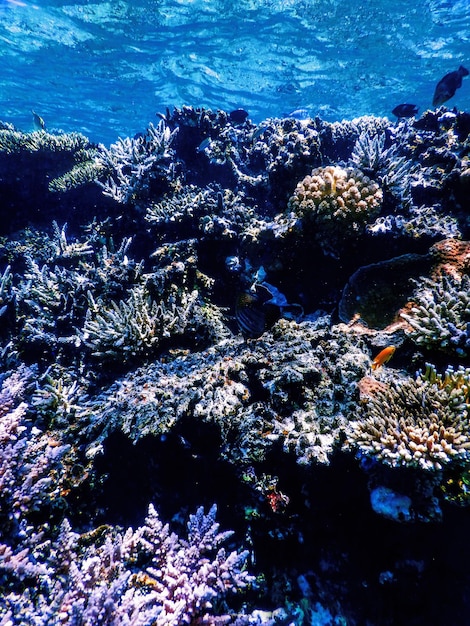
{"x": 106, "y": 68}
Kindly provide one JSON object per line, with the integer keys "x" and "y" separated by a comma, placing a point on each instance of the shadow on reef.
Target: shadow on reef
{"x": 327, "y": 538}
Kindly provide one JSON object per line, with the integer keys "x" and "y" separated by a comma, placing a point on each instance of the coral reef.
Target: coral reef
{"x": 419, "y": 422}
{"x": 307, "y": 395}
{"x": 134, "y": 168}
{"x": 149, "y": 575}
{"x": 337, "y": 201}
{"x": 32, "y": 476}
{"x": 14, "y": 141}
{"x": 137, "y": 325}
{"x": 440, "y": 314}
{"x": 140, "y": 362}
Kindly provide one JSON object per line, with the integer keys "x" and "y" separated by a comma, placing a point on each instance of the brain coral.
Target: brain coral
{"x": 422, "y": 422}
{"x": 339, "y": 201}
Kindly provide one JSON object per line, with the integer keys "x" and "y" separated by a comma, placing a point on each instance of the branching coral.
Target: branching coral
{"x": 132, "y": 164}
{"x": 144, "y": 576}
{"x": 440, "y": 315}
{"x": 191, "y": 210}
{"x": 137, "y": 325}
{"x": 6, "y": 296}
{"x": 31, "y": 463}
{"x": 14, "y": 141}
{"x": 422, "y": 422}
{"x": 48, "y": 306}
{"x": 87, "y": 169}
{"x": 394, "y": 172}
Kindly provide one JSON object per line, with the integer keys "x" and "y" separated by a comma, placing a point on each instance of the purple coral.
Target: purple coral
{"x": 28, "y": 459}
{"x": 146, "y": 576}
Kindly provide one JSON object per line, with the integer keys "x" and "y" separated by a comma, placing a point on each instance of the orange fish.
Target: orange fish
{"x": 383, "y": 357}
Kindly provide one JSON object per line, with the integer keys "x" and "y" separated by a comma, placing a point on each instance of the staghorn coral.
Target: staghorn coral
{"x": 216, "y": 213}
{"x": 440, "y": 314}
{"x": 133, "y": 165}
{"x": 105, "y": 577}
{"x": 48, "y": 306}
{"x": 32, "y": 464}
{"x": 337, "y": 201}
{"x": 51, "y": 300}
{"x": 287, "y": 396}
{"x": 416, "y": 422}
{"x": 137, "y": 325}
{"x": 339, "y": 138}
{"x": 395, "y": 172}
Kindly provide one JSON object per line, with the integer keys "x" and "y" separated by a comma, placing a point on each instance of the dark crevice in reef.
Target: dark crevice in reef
{"x": 377, "y": 571}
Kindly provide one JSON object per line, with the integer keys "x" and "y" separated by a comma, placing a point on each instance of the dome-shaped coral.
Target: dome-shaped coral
{"x": 339, "y": 201}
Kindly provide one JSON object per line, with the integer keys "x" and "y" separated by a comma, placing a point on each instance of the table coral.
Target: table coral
{"x": 307, "y": 373}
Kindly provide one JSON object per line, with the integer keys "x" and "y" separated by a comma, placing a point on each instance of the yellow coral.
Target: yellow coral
{"x": 340, "y": 201}
{"x": 422, "y": 422}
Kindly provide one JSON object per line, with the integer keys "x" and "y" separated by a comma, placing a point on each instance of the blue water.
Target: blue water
{"x": 106, "y": 68}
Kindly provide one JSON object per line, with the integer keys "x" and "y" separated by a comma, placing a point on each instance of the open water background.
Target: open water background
{"x": 105, "y": 68}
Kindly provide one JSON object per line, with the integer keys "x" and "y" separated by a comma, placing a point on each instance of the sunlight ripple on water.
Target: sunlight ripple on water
{"x": 105, "y": 68}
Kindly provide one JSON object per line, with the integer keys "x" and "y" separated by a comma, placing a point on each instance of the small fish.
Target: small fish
{"x": 405, "y": 110}
{"x": 383, "y": 356}
{"x": 448, "y": 85}
{"x": 233, "y": 265}
{"x": 299, "y": 114}
{"x": 39, "y": 123}
{"x": 205, "y": 143}
{"x": 238, "y": 116}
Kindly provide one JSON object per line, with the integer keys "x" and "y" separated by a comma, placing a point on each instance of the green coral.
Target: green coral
{"x": 87, "y": 169}
{"x": 15, "y": 142}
